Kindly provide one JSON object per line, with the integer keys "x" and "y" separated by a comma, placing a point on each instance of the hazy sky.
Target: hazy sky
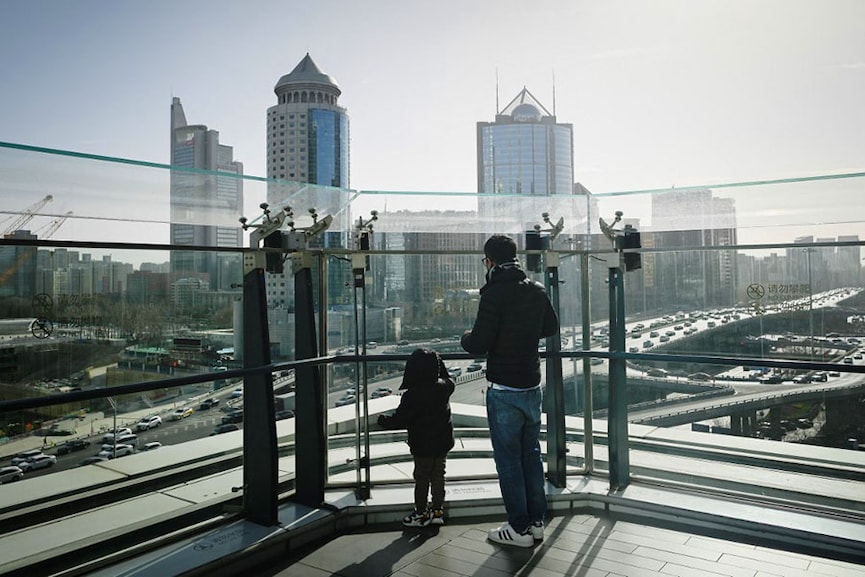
{"x": 659, "y": 92}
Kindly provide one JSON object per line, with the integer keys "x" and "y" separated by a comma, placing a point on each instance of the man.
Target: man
{"x": 513, "y": 315}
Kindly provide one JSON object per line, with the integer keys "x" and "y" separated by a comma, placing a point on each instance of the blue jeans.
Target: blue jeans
{"x": 515, "y": 427}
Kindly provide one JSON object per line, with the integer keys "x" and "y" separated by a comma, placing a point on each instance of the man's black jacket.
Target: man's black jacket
{"x": 513, "y": 315}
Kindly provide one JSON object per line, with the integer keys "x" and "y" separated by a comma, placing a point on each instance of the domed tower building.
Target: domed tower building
{"x": 307, "y": 130}
{"x": 308, "y": 167}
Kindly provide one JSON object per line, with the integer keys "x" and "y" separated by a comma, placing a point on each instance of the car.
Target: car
{"x": 109, "y": 437}
{"x": 474, "y": 367}
{"x": 72, "y": 445}
{"x": 234, "y": 416}
{"x": 151, "y": 446}
{"x": 819, "y": 377}
{"x": 181, "y": 413}
{"x": 346, "y": 400}
{"x": 224, "y": 428}
{"x": 128, "y": 440}
{"x": 381, "y": 392}
{"x": 801, "y": 379}
{"x": 454, "y": 372}
{"x": 38, "y": 462}
{"x": 109, "y": 451}
{"x": 208, "y": 403}
{"x": 237, "y": 393}
{"x": 147, "y": 423}
{"x": 10, "y": 474}
{"x": 25, "y": 455}
{"x": 91, "y": 460}
{"x": 280, "y": 415}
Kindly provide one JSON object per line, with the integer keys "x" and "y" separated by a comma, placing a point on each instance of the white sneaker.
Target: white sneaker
{"x": 506, "y": 535}
{"x": 537, "y": 529}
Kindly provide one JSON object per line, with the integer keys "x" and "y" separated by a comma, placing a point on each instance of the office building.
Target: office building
{"x": 528, "y": 157}
{"x": 206, "y": 202}
{"x": 308, "y": 143}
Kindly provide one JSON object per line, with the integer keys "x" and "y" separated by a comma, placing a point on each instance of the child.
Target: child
{"x": 425, "y": 411}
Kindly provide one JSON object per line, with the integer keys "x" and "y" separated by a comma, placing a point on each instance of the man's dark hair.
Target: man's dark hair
{"x": 500, "y": 248}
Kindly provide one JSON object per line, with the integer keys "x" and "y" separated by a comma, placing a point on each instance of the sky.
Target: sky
{"x": 660, "y": 92}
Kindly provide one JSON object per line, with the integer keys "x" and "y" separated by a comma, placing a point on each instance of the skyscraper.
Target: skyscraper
{"x": 527, "y": 156}
{"x": 307, "y": 131}
{"x": 206, "y": 202}
{"x": 308, "y": 142}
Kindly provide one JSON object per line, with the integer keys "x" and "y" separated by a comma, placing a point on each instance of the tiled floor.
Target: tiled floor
{"x": 577, "y": 545}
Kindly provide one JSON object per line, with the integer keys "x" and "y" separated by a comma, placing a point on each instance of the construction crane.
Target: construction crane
{"x": 49, "y": 229}
{"x": 27, "y": 215}
{"x": 23, "y": 257}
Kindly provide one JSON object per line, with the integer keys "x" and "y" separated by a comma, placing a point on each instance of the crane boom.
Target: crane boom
{"x": 51, "y": 228}
{"x": 27, "y": 215}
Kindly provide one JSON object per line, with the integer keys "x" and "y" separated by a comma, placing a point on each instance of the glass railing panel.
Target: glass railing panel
{"x": 72, "y": 322}
{"x": 467, "y": 214}
{"x": 728, "y": 302}
{"x": 716, "y": 425}
{"x": 746, "y": 213}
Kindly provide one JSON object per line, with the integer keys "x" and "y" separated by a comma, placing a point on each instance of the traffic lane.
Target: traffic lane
{"x": 171, "y": 432}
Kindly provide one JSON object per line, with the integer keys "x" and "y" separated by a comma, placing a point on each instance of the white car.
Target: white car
{"x": 10, "y": 474}
{"x": 148, "y": 423}
{"x": 21, "y": 457}
{"x": 38, "y": 462}
{"x": 109, "y": 437}
{"x": 122, "y": 450}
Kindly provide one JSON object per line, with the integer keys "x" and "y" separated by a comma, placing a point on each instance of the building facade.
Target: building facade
{"x": 206, "y": 202}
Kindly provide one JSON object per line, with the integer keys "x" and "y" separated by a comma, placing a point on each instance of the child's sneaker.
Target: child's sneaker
{"x": 506, "y": 535}
{"x": 437, "y": 516}
{"x": 537, "y": 529}
{"x": 416, "y": 519}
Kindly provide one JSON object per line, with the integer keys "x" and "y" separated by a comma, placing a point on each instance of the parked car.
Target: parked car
{"x": 181, "y": 413}
{"x": 10, "y": 474}
{"x": 208, "y": 403}
{"x": 224, "y": 428}
{"x": 280, "y": 415}
{"x": 25, "y": 455}
{"x": 235, "y": 416}
{"x": 151, "y": 446}
{"x": 108, "y": 451}
{"x": 42, "y": 461}
{"x": 109, "y": 437}
{"x": 148, "y": 423}
{"x": 72, "y": 445}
